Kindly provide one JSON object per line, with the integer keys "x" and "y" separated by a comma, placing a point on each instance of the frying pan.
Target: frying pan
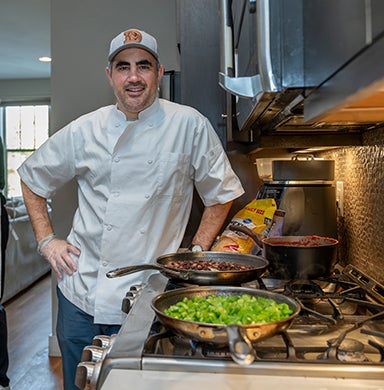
{"x": 239, "y": 338}
{"x": 258, "y": 267}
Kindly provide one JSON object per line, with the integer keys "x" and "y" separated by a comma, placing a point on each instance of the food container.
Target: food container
{"x": 264, "y": 168}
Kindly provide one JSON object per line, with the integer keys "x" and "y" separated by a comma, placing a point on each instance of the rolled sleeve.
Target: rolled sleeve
{"x": 215, "y": 180}
{"x": 51, "y": 166}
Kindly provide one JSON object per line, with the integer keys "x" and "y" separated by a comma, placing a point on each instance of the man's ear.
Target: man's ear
{"x": 108, "y": 72}
{"x": 160, "y": 73}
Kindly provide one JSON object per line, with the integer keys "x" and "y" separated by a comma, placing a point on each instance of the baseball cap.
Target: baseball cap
{"x": 133, "y": 38}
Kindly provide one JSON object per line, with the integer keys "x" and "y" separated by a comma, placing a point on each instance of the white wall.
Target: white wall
{"x": 80, "y": 35}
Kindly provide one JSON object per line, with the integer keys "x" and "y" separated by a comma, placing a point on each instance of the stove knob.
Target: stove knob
{"x": 128, "y": 300}
{"x": 137, "y": 287}
{"x": 130, "y": 296}
{"x": 92, "y": 353}
{"x": 102, "y": 341}
{"x": 86, "y": 375}
{"x": 126, "y": 305}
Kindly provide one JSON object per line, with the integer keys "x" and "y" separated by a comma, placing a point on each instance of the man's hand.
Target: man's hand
{"x": 211, "y": 223}
{"x": 57, "y": 253}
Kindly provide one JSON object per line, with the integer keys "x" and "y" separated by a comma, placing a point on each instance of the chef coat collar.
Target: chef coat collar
{"x": 148, "y": 112}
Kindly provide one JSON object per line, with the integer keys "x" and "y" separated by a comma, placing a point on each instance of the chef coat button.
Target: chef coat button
{"x": 142, "y": 231}
{"x": 105, "y": 263}
{"x": 109, "y": 227}
{"x": 116, "y": 159}
{"x": 147, "y": 196}
{"x": 150, "y": 124}
{"x": 117, "y": 124}
{"x": 116, "y": 194}
{"x": 150, "y": 161}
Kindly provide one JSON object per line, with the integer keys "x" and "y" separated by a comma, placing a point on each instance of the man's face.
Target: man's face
{"x": 134, "y": 79}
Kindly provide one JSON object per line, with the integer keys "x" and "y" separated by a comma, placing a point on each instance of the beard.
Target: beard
{"x": 134, "y": 98}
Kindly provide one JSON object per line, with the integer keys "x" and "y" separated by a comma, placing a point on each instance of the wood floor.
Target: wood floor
{"x": 29, "y": 321}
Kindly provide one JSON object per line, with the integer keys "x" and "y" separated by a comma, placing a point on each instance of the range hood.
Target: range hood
{"x": 354, "y": 94}
{"x": 292, "y": 67}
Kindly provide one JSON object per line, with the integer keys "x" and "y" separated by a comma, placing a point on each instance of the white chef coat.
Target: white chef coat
{"x": 135, "y": 188}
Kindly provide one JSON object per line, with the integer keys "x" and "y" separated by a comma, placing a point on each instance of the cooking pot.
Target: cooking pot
{"x": 300, "y": 257}
{"x": 239, "y": 338}
{"x": 302, "y": 168}
{"x": 258, "y": 266}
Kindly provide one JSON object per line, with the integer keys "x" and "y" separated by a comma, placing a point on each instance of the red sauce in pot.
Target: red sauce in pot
{"x": 302, "y": 241}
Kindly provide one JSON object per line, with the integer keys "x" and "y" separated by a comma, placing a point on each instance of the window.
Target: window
{"x": 25, "y": 128}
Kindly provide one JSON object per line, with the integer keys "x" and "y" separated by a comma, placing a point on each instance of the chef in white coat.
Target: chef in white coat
{"x": 136, "y": 164}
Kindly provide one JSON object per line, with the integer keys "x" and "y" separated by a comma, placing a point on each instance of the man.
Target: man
{"x": 136, "y": 165}
{"x": 4, "y": 360}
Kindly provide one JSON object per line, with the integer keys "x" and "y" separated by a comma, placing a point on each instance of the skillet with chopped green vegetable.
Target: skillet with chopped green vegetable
{"x": 217, "y": 333}
{"x": 236, "y": 309}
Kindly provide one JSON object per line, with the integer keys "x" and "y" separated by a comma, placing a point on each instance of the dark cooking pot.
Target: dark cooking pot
{"x": 303, "y": 168}
{"x": 300, "y": 257}
{"x": 257, "y": 266}
{"x": 238, "y": 338}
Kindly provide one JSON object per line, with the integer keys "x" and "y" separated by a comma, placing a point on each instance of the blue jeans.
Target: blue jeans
{"x": 75, "y": 330}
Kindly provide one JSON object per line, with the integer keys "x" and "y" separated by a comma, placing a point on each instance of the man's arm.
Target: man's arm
{"x": 38, "y": 213}
{"x": 211, "y": 223}
{"x": 56, "y": 251}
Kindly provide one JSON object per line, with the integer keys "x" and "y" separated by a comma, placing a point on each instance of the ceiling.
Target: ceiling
{"x": 25, "y": 36}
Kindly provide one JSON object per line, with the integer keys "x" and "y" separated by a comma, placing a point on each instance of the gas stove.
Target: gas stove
{"x": 339, "y": 334}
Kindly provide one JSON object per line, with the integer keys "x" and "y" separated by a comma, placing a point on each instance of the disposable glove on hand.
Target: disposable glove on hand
{"x": 57, "y": 253}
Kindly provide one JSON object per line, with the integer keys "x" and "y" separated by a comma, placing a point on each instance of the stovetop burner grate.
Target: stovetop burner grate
{"x": 281, "y": 348}
{"x": 339, "y": 322}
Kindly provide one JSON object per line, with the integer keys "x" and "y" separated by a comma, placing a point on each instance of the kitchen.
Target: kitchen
{"x": 358, "y": 157}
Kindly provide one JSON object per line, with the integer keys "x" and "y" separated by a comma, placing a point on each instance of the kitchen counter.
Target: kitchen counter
{"x": 143, "y": 380}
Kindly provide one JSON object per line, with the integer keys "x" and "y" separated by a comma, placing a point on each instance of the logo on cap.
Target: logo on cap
{"x": 132, "y": 36}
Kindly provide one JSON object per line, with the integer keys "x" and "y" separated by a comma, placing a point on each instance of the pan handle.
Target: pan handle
{"x": 142, "y": 267}
{"x": 248, "y": 232}
{"x": 242, "y": 351}
{"x": 131, "y": 270}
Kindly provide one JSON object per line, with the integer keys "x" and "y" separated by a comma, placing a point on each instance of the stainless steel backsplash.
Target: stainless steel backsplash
{"x": 361, "y": 229}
